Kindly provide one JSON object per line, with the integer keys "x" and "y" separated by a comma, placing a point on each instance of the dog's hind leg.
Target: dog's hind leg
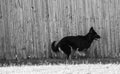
{"x": 72, "y": 53}
{"x": 66, "y": 49}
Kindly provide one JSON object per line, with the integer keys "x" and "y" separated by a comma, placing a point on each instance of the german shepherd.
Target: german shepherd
{"x": 80, "y": 43}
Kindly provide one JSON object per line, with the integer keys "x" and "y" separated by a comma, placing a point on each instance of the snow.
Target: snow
{"x": 63, "y": 69}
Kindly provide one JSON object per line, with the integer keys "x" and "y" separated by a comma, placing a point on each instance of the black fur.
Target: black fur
{"x": 75, "y": 42}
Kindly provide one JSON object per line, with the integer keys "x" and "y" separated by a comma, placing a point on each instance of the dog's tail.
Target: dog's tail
{"x": 54, "y": 48}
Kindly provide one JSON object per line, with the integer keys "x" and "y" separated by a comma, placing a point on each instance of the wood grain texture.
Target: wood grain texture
{"x": 27, "y": 27}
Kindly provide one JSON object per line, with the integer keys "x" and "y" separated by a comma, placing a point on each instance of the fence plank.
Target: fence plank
{"x": 28, "y": 27}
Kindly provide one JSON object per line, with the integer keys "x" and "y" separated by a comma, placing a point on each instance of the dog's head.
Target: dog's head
{"x": 93, "y": 35}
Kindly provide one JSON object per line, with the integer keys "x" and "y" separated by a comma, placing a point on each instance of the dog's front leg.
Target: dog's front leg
{"x": 81, "y": 53}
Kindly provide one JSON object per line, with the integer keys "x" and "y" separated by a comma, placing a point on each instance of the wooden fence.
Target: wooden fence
{"x": 27, "y": 27}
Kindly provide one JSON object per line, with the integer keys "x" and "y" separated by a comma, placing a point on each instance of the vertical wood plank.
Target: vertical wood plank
{"x": 28, "y": 27}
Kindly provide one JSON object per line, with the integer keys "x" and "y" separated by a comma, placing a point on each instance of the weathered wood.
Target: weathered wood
{"x": 27, "y": 27}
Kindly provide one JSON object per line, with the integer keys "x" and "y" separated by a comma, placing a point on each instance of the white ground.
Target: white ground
{"x": 63, "y": 69}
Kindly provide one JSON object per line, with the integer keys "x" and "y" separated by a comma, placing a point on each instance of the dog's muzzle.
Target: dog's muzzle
{"x": 97, "y": 37}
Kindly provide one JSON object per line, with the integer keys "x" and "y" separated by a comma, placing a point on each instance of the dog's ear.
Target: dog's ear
{"x": 91, "y": 30}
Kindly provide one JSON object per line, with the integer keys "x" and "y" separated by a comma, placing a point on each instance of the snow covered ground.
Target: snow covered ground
{"x": 63, "y": 69}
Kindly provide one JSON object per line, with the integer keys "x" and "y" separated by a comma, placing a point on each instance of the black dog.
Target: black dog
{"x": 79, "y": 43}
